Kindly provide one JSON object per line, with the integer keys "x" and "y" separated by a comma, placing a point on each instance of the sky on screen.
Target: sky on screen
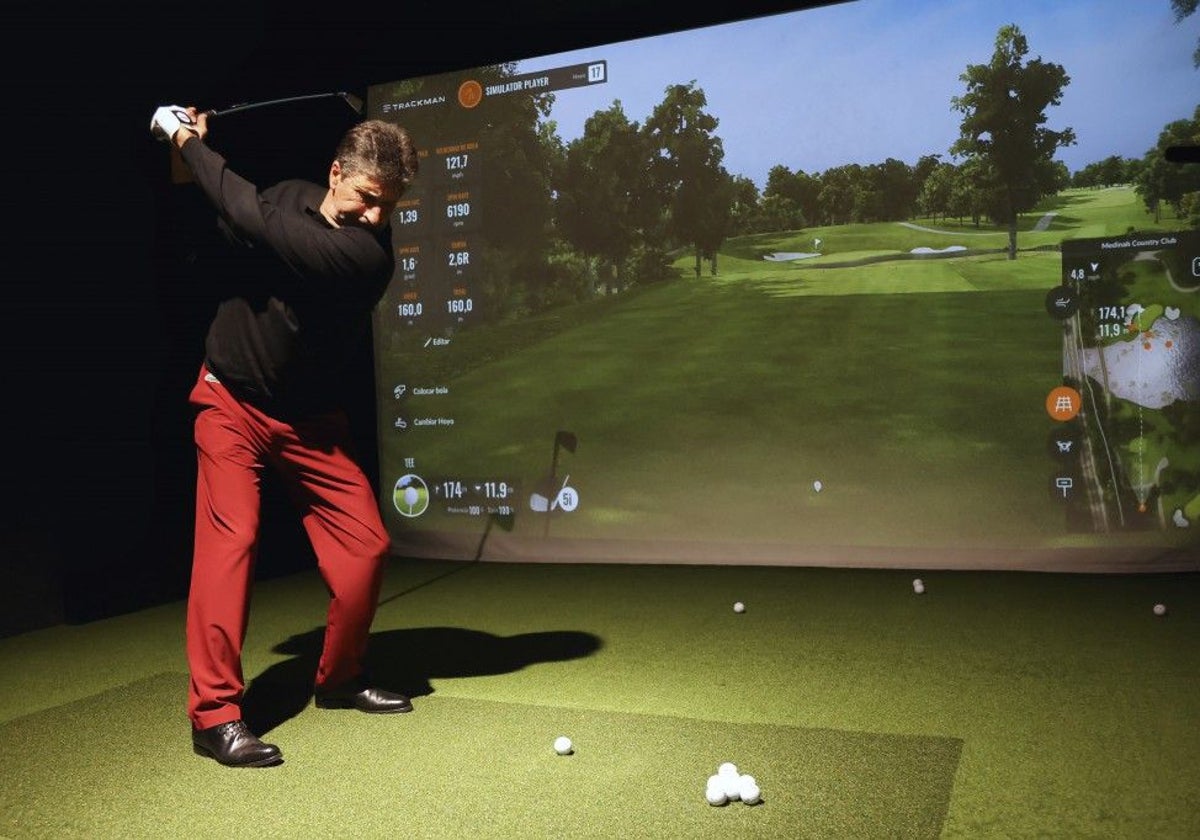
{"x": 862, "y": 81}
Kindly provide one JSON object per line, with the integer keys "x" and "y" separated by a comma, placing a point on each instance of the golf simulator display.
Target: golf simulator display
{"x": 767, "y": 332}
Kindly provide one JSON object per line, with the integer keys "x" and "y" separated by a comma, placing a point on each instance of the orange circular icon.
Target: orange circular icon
{"x": 470, "y": 93}
{"x": 1063, "y": 403}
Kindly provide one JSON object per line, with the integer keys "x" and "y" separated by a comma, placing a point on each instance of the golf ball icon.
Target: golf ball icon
{"x": 410, "y": 495}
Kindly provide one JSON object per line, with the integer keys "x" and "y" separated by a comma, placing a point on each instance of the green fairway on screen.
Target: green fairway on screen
{"x": 641, "y": 313}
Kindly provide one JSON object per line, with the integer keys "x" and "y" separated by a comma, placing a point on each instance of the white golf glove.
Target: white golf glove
{"x": 167, "y": 120}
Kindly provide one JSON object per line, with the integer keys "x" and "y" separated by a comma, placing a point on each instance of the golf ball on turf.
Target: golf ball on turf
{"x": 715, "y": 796}
{"x": 727, "y": 768}
{"x": 1160, "y": 609}
{"x": 747, "y": 789}
{"x": 918, "y": 587}
{"x": 562, "y": 745}
{"x": 738, "y": 606}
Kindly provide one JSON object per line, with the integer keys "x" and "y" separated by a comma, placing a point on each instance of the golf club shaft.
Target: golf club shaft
{"x": 351, "y": 100}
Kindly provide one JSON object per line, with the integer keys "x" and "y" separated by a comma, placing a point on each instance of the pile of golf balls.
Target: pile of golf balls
{"x": 563, "y": 745}
{"x": 728, "y": 785}
{"x": 918, "y": 586}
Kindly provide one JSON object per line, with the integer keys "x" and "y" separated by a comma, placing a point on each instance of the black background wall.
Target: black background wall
{"x": 102, "y": 325}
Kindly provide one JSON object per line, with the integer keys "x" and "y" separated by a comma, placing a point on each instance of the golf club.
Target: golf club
{"x": 355, "y": 103}
{"x": 179, "y": 173}
{"x": 562, "y": 440}
{"x": 565, "y": 440}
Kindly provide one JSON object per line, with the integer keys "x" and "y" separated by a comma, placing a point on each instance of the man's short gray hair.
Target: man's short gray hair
{"x": 381, "y": 150}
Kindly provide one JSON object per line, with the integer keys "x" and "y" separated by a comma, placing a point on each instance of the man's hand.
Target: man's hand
{"x": 175, "y": 124}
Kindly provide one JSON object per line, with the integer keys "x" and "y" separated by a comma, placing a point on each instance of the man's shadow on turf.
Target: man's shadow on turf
{"x": 404, "y": 661}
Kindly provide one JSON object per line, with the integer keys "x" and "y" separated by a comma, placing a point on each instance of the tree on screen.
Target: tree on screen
{"x": 1183, "y": 9}
{"x": 936, "y": 191}
{"x": 790, "y": 199}
{"x": 892, "y": 191}
{"x": 685, "y": 168}
{"x": 713, "y": 219}
{"x": 921, "y": 171}
{"x": 745, "y": 207}
{"x": 776, "y": 213}
{"x": 1159, "y": 181}
{"x": 599, "y": 187}
{"x": 968, "y": 195}
{"x": 1003, "y": 128}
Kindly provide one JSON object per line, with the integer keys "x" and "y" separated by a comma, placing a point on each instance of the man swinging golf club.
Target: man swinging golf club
{"x": 309, "y": 263}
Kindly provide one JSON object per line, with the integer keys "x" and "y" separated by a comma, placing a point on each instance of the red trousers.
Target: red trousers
{"x": 235, "y": 442}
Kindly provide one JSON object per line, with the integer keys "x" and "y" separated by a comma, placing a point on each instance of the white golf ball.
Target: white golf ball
{"x": 918, "y": 588}
{"x": 918, "y": 582}
{"x": 715, "y": 796}
{"x": 562, "y": 745}
{"x": 727, "y": 768}
{"x": 731, "y": 785}
{"x": 738, "y": 607}
{"x": 1160, "y": 609}
{"x": 411, "y": 496}
{"x": 750, "y": 793}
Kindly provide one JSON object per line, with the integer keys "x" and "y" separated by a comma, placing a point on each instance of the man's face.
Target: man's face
{"x": 357, "y": 199}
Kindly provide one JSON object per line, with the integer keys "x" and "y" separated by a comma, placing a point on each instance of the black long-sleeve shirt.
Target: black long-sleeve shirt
{"x": 304, "y": 289}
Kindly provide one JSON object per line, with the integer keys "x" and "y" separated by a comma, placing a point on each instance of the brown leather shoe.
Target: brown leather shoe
{"x": 373, "y": 700}
{"x": 234, "y": 745}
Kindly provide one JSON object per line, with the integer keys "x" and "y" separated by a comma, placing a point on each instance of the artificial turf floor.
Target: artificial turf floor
{"x": 462, "y": 768}
{"x": 996, "y": 704}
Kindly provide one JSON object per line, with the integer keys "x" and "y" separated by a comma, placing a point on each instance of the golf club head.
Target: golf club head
{"x": 356, "y": 104}
{"x": 566, "y": 440}
{"x": 542, "y": 499}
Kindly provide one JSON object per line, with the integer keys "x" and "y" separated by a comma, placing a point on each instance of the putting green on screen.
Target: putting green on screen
{"x": 116, "y": 765}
